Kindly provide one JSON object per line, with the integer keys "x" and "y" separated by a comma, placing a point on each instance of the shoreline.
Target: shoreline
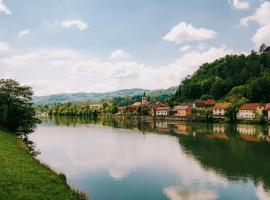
{"x": 181, "y": 119}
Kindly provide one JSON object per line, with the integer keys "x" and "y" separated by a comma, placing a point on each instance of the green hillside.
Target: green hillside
{"x": 105, "y": 97}
{"x": 230, "y": 78}
{"x": 84, "y": 97}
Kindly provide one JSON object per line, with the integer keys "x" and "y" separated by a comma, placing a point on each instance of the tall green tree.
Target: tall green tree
{"x": 17, "y": 111}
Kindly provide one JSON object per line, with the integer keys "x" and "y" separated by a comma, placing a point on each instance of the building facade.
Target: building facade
{"x": 220, "y": 109}
{"x": 182, "y": 111}
{"x": 162, "y": 111}
{"x": 249, "y": 111}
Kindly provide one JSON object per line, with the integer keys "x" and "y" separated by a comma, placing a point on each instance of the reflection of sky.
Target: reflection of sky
{"x": 87, "y": 154}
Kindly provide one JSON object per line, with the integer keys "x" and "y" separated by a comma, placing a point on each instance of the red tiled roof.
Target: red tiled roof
{"x": 249, "y": 106}
{"x": 222, "y": 105}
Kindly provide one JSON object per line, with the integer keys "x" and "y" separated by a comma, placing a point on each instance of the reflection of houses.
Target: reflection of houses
{"x": 250, "y": 133}
{"x": 250, "y": 138}
{"x": 267, "y": 110}
{"x": 219, "y": 109}
{"x": 246, "y": 129}
{"x": 218, "y": 132}
{"x": 250, "y": 111}
{"x": 202, "y": 104}
{"x": 162, "y": 127}
{"x": 183, "y": 129}
{"x": 218, "y": 128}
{"x": 182, "y": 111}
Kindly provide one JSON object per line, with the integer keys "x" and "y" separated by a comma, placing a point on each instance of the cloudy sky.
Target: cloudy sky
{"x": 61, "y": 46}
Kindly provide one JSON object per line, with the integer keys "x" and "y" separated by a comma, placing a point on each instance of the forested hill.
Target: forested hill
{"x": 94, "y": 97}
{"x": 230, "y": 78}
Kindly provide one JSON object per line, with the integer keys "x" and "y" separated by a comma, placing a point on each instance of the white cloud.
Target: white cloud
{"x": 240, "y": 4}
{"x": 184, "y": 32}
{"x": 65, "y": 70}
{"x": 119, "y": 55}
{"x": 75, "y": 23}
{"x": 185, "y": 48}
{"x": 4, "y": 8}
{"x": 262, "y": 17}
{"x": 261, "y": 193}
{"x": 186, "y": 193}
{"x": 4, "y": 47}
{"x": 24, "y": 32}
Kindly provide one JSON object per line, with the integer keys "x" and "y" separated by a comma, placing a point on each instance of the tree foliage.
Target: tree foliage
{"x": 17, "y": 113}
{"x": 231, "y": 77}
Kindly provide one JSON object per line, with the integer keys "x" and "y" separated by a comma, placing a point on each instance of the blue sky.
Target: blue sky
{"x": 101, "y": 45}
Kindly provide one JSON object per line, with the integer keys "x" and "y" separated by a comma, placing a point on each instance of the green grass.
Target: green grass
{"x": 24, "y": 177}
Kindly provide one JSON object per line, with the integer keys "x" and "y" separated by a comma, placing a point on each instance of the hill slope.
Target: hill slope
{"x": 231, "y": 78}
{"x": 92, "y": 97}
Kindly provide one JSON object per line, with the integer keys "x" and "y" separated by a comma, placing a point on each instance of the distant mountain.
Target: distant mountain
{"x": 94, "y": 97}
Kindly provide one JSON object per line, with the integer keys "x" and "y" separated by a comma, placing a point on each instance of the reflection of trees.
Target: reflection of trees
{"x": 235, "y": 159}
{"x": 71, "y": 120}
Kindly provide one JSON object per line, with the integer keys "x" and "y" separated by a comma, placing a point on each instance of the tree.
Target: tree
{"x": 262, "y": 48}
{"x": 18, "y": 113}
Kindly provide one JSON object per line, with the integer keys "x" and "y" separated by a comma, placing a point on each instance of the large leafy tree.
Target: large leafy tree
{"x": 16, "y": 109}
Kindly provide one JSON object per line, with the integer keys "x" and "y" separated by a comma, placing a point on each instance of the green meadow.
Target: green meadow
{"x": 24, "y": 177}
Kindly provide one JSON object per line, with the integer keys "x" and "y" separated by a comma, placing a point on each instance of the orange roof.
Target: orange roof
{"x": 250, "y": 106}
{"x": 222, "y": 105}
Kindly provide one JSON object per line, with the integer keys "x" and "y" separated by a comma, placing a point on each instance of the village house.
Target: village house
{"x": 267, "y": 110}
{"x": 249, "y": 111}
{"x": 162, "y": 111}
{"x": 219, "y": 109}
{"x": 157, "y": 105}
{"x": 182, "y": 111}
{"x": 202, "y": 104}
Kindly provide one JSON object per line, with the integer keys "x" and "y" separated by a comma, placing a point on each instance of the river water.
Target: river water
{"x": 123, "y": 159}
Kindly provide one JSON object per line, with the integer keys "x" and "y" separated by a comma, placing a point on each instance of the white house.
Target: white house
{"x": 219, "y": 109}
{"x": 250, "y": 111}
{"x": 162, "y": 111}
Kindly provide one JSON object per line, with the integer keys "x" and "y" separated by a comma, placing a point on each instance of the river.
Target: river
{"x": 131, "y": 160}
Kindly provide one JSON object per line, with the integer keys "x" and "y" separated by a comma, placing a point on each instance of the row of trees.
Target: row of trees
{"x": 81, "y": 109}
{"x": 17, "y": 112}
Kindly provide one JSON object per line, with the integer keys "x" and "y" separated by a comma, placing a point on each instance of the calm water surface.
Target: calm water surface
{"x": 158, "y": 160}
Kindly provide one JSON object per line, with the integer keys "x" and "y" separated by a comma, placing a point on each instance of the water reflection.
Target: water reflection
{"x": 188, "y": 161}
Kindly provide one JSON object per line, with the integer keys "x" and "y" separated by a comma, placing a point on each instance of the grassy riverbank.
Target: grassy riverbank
{"x": 24, "y": 177}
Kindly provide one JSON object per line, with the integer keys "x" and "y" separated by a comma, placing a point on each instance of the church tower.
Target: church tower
{"x": 144, "y": 99}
